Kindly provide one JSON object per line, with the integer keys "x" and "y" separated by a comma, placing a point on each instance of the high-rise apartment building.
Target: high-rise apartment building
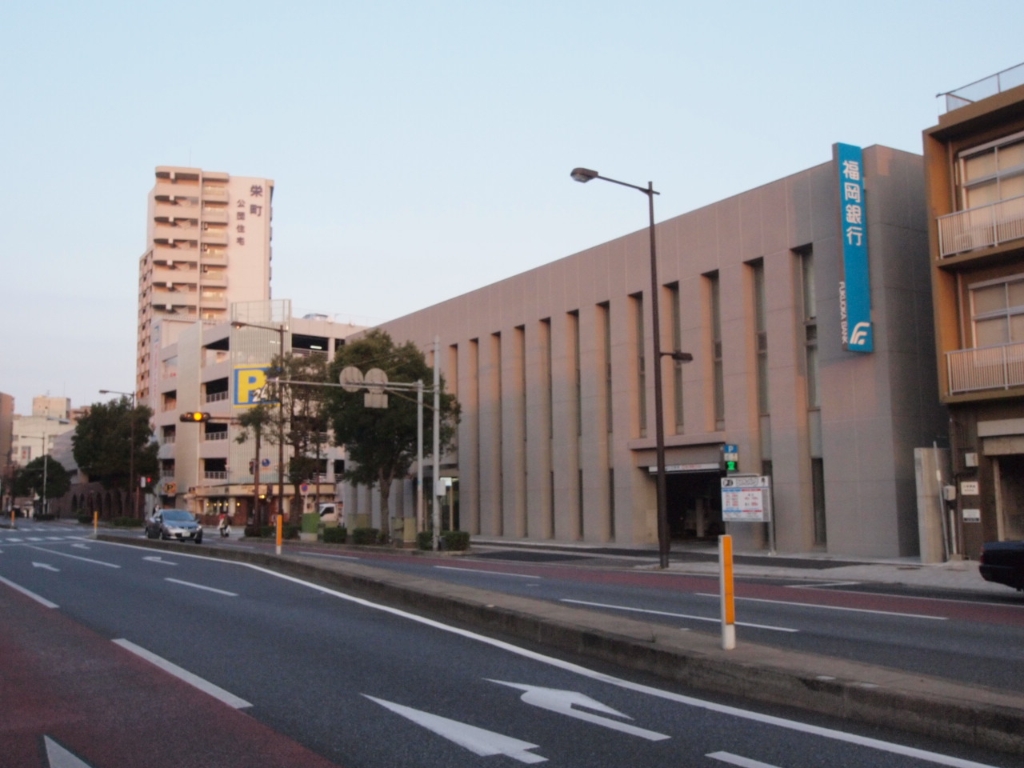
{"x": 207, "y": 245}
{"x": 974, "y": 162}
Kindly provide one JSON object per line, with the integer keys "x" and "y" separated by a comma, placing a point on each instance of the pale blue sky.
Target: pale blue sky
{"x": 421, "y": 149}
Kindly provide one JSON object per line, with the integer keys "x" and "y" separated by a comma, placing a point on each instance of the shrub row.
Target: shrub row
{"x": 125, "y": 522}
{"x": 335, "y": 535}
{"x": 366, "y": 536}
{"x": 453, "y": 541}
{"x": 288, "y": 531}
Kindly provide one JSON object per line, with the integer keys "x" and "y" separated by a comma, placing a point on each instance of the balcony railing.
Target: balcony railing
{"x": 210, "y": 475}
{"x": 216, "y": 435}
{"x": 983, "y": 227}
{"x": 985, "y": 368}
{"x": 216, "y": 397}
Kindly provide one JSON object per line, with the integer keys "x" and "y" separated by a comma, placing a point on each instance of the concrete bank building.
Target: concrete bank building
{"x": 806, "y": 305}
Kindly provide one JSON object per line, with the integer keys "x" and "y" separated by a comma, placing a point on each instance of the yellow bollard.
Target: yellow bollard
{"x": 95, "y": 525}
{"x": 279, "y": 526}
{"x": 727, "y": 593}
{"x": 12, "y": 519}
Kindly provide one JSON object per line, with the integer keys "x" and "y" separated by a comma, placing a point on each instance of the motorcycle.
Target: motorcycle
{"x": 224, "y": 528}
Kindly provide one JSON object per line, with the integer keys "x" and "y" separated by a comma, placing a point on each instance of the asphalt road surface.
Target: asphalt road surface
{"x": 118, "y": 656}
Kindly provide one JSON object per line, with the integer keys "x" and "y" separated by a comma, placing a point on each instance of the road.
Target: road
{"x": 274, "y": 671}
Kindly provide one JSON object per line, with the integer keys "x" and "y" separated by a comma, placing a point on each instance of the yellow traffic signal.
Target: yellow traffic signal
{"x": 194, "y": 417}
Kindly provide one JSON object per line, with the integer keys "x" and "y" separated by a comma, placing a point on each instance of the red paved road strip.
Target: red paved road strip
{"x": 113, "y": 710}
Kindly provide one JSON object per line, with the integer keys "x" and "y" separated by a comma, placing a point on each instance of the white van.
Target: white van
{"x": 330, "y": 512}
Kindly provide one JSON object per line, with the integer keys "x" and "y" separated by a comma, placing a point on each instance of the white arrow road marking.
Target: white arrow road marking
{"x": 41, "y": 600}
{"x": 742, "y": 762}
{"x": 200, "y": 586}
{"x": 716, "y": 619}
{"x": 157, "y": 559}
{"x": 476, "y": 740}
{"x": 45, "y": 567}
{"x": 562, "y": 702}
{"x": 58, "y": 757}
{"x": 75, "y": 557}
{"x": 183, "y": 674}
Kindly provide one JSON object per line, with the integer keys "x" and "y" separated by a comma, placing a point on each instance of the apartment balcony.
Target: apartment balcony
{"x": 164, "y": 275}
{"x": 215, "y": 236}
{"x": 215, "y": 215}
{"x": 166, "y": 254}
{"x": 179, "y": 209}
{"x": 215, "y": 257}
{"x": 984, "y": 227}
{"x": 166, "y": 190}
{"x": 174, "y": 298}
{"x": 985, "y": 369}
{"x": 213, "y": 302}
{"x": 220, "y": 194}
{"x": 175, "y": 232}
{"x": 218, "y": 279}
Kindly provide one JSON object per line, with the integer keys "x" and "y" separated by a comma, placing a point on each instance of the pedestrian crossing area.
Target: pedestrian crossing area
{"x": 37, "y": 534}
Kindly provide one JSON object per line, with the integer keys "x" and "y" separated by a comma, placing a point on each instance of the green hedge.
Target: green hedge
{"x": 126, "y": 522}
{"x": 335, "y": 535}
{"x": 455, "y": 541}
{"x": 85, "y": 519}
{"x": 366, "y": 536}
{"x": 310, "y": 522}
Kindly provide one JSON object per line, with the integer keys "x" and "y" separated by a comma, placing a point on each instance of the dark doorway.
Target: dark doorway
{"x": 694, "y": 505}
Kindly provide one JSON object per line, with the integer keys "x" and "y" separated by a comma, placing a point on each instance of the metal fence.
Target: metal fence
{"x": 981, "y": 227}
{"x": 985, "y": 368}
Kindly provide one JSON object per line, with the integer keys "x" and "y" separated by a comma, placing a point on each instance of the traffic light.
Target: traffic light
{"x": 194, "y": 417}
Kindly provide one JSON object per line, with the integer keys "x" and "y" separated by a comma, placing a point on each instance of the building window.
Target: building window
{"x": 760, "y": 337}
{"x": 997, "y": 311}
{"x": 574, "y": 329}
{"x": 818, "y": 494}
{"x": 810, "y": 324}
{"x": 992, "y": 172}
{"x": 605, "y": 313}
{"x": 714, "y": 291}
{"x": 545, "y": 327}
{"x": 677, "y": 365}
{"x": 641, "y": 374}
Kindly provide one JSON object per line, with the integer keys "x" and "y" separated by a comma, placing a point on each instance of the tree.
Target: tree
{"x": 381, "y": 442}
{"x": 28, "y": 480}
{"x": 261, "y": 419}
{"x": 103, "y": 443}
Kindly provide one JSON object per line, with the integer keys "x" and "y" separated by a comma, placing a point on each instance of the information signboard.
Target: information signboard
{"x": 746, "y": 499}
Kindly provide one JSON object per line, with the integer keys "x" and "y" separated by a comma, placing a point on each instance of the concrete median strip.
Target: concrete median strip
{"x": 937, "y": 708}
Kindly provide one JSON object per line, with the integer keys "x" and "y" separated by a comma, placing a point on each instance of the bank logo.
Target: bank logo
{"x": 859, "y": 337}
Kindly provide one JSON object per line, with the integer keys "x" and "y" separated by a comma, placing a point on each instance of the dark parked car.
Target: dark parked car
{"x": 1003, "y": 563}
{"x": 174, "y": 524}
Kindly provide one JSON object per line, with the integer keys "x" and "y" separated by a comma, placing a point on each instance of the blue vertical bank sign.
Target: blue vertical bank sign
{"x": 855, "y": 286}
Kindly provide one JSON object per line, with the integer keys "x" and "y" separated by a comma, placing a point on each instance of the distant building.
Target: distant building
{"x": 215, "y": 368}
{"x": 974, "y": 161}
{"x": 6, "y": 445}
{"x": 553, "y": 370}
{"x": 207, "y": 246}
{"x": 34, "y": 435}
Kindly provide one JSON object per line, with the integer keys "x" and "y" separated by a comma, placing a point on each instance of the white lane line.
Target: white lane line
{"x": 200, "y": 586}
{"x": 13, "y": 541}
{"x": 743, "y": 714}
{"x": 33, "y": 538}
{"x": 329, "y": 557}
{"x": 715, "y": 619}
{"x": 832, "y": 607}
{"x": 183, "y": 674}
{"x": 820, "y": 586}
{"x": 58, "y": 757}
{"x": 158, "y": 559}
{"x": 41, "y": 600}
{"x": 742, "y": 762}
{"x": 486, "y": 573}
{"x": 75, "y": 557}
{"x": 55, "y": 538}
{"x": 710, "y": 706}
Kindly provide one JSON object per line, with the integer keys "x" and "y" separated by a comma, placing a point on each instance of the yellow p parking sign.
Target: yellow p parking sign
{"x": 249, "y": 386}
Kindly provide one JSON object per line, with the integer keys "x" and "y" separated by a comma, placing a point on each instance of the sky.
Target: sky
{"x": 421, "y": 150}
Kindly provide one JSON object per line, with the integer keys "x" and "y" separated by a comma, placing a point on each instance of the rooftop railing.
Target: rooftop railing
{"x": 985, "y": 368}
{"x": 982, "y": 89}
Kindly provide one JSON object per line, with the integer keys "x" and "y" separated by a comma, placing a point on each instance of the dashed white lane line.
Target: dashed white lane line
{"x": 832, "y": 607}
{"x": 817, "y": 585}
{"x": 715, "y": 619}
{"x": 201, "y": 586}
{"x": 183, "y": 674}
{"x": 486, "y": 573}
{"x": 76, "y": 557}
{"x": 742, "y": 762}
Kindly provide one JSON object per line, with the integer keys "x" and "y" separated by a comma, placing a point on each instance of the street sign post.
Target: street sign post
{"x": 748, "y": 499}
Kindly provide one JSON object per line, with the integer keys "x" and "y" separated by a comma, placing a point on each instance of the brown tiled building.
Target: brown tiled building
{"x": 974, "y": 163}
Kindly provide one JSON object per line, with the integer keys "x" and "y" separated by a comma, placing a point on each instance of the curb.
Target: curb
{"x": 976, "y": 716}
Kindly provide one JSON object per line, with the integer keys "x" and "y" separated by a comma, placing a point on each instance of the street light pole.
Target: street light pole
{"x": 583, "y": 175}
{"x": 131, "y": 451}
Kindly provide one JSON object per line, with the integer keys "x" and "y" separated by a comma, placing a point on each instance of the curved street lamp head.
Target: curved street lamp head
{"x": 583, "y": 175}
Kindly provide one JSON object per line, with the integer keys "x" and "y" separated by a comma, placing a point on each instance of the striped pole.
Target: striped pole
{"x": 727, "y": 594}
{"x": 279, "y": 519}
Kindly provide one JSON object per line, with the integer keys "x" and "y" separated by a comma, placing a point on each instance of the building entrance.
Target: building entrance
{"x": 694, "y": 504}
{"x": 1010, "y": 497}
